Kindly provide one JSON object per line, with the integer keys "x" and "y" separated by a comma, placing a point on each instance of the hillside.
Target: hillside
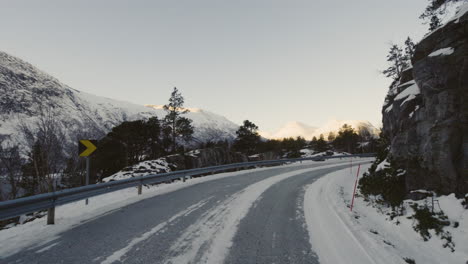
{"x": 27, "y": 92}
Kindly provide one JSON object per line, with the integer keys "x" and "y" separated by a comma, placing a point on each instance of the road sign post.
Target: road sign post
{"x": 87, "y": 147}
{"x": 87, "y": 176}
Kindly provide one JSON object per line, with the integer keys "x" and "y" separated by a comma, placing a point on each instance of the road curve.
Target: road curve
{"x": 255, "y": 217}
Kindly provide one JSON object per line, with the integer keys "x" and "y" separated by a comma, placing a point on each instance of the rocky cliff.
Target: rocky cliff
{"x": 425, "y": 115}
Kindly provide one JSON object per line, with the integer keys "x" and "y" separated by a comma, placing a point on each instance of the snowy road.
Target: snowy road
{"x": 253, "y": 217}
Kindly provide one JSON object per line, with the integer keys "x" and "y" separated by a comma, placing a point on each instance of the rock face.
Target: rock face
{"x": 425, "y": 114}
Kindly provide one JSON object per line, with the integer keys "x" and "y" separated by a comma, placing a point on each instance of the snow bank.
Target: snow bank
{"x": 366, "y": 235}
{"x": 140, "y": 169}
{"x": 442, "y": 52}
{"x": 310, "y": 153}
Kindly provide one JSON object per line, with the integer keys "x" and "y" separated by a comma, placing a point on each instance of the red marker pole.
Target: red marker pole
{"x": 355, "y": 184}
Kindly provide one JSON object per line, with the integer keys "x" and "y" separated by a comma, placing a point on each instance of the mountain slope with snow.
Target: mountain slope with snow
{"x": 27, "y": 93}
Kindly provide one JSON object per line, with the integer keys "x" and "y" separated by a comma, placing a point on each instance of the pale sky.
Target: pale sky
{"x": 267, "y": 61}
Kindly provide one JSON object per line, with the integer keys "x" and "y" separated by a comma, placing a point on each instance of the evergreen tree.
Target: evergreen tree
{"x": 397, "y": 62}
{"x": 127, "y": 144}
{"x": 313, "y": 143}
{"x": 409, "y": 49}
{"x": 176, "y": 125}
{"x": 347, "y": 139}
{"x": 321, "y": 144}
{"x": 331, "y": 136}
{"x": 248, "y": 139}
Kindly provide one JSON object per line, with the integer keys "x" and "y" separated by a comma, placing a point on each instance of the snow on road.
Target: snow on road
{"x": 366, "y": 235}
{"x": 38, "y": 235}
{"x": 209, "y": 239}
{"x": 158, "y": 228}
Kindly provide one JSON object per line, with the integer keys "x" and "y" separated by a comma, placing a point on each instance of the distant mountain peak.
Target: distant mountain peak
{"x": 296, "y": 128}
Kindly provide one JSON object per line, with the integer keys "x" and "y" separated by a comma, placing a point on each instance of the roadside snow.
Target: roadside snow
{"x": 310, "y": 153}
{"x": 442, "y": 52}
{"x": 367, "y": 235}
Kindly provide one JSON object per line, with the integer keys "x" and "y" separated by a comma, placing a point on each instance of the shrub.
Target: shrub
{"x": 427, "y": 220}
{"x": 388, "y": 182}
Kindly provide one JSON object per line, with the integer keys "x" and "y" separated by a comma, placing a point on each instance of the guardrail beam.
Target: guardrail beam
{"x": 17, "y": 207}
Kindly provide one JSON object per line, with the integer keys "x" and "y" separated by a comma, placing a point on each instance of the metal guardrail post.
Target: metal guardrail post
{"x": 51, "y": 214}
{"x": 140, "y": 187}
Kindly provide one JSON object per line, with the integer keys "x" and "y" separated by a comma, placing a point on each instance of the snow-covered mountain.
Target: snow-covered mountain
{"x": 26, "y": 93}
{"x": 291, "y": 129}
{"x": 295, "y": 129}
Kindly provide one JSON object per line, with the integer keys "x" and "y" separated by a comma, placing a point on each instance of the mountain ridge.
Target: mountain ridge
{"x": 26, "y": 92}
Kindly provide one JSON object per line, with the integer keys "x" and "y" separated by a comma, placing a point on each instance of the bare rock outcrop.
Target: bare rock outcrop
{"x": 425, "y": 115}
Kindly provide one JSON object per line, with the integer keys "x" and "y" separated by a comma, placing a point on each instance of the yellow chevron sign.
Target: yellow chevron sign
{"x": 86, "y": 147}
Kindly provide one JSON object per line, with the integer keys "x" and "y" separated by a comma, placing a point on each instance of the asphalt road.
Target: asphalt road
{"x": 190, "y": 225}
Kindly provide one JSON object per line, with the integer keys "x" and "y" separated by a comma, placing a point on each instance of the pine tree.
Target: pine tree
{"x": 248, "y": 139}
{"x": 346, "y": 139}
{"x": 331, "y": 136}
{"x": 176, "y": 125}
{"x": 321, "y": 144}
{"x": 313, "y": 143}
{"x": 409, "y": 49}
{"x": 398, "y": 62}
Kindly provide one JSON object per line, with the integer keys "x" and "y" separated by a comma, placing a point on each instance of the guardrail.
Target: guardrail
{"x": 17, "y": 207}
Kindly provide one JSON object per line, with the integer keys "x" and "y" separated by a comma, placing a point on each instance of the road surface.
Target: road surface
{"x": 254, "y": 217}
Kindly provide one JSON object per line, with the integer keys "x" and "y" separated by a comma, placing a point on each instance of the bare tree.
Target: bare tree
{"x": 45, "y": 139}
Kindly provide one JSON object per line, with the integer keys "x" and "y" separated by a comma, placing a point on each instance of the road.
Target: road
{"x": 254, "y": 217}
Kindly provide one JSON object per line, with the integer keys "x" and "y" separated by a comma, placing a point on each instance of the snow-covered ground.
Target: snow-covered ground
{"x": 141, "y": 169}
{"x": 367, "y": 235}
{"x": 310, "y": 153}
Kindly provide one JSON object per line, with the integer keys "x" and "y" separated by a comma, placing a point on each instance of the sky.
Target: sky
{"x": 267, "y": 61}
